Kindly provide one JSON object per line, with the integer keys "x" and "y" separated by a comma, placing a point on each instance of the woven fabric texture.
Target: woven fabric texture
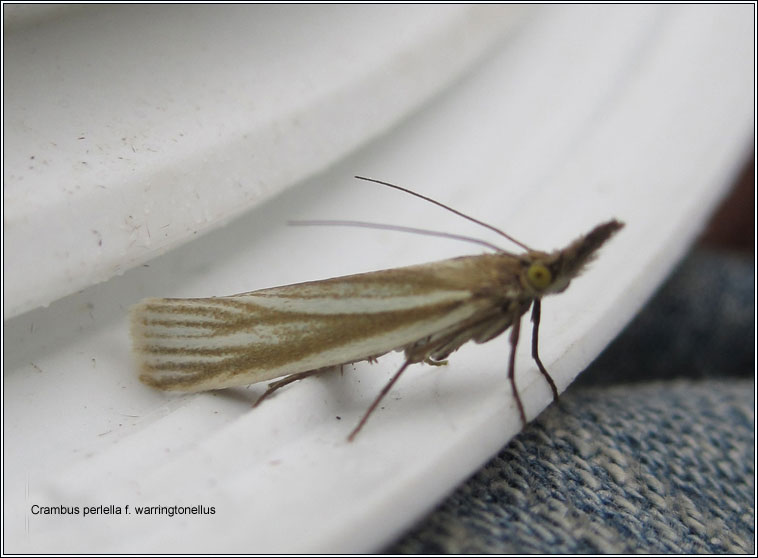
{"x": 626, "y": 464}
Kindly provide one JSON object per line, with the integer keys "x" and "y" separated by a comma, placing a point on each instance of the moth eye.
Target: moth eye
{"x": 539, "y": 276}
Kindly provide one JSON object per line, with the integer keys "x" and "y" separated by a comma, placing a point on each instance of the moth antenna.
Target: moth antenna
{"x": 398, "y": 228}
{"x": 442, "y": 205}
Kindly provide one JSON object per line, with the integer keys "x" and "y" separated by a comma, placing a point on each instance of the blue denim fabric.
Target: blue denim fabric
{"x": 651, "y": 451}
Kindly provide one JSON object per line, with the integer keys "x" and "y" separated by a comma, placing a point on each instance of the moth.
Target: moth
{"x": 426, "y": 311}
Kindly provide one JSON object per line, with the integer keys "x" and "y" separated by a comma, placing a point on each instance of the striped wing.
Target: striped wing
{"x": 212, "y": 343}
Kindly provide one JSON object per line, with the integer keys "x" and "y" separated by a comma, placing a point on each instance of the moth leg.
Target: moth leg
{"x": 535, "y": 340}
{"x": 384, "y": 392}
{"x": 512, "y": 365}
{"x": 428, "y": 360}
{"x": 273, "y": 386}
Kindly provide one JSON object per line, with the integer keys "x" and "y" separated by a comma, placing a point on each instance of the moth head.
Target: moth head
{"x": 545, "y": 273}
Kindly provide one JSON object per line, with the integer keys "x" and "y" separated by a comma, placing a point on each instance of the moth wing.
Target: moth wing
{"x": 213, "y": 343}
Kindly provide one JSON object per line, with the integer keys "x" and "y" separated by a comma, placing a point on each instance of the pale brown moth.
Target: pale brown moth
{"x": 426, "y": 311}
